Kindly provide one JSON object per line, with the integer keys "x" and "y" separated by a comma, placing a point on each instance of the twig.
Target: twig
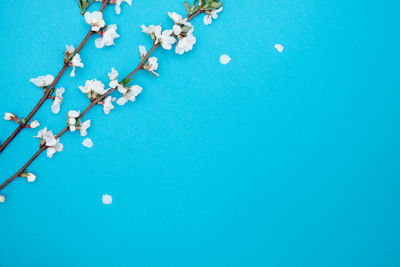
{"x": 47, "y": 94}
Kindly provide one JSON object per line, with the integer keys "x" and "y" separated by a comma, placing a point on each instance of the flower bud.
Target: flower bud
{"x": 30, "y": 177}
{"x": 34, "y": 124}
{"x": 9, "y": 116}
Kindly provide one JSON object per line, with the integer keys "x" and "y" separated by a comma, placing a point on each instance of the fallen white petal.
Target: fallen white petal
{"x": 225, "y": 59}
{"x": 2, "y": 199}
{"x": 279, "y": 48}
{"x": 87, "y": 143}
{"x": 107, "y": 199}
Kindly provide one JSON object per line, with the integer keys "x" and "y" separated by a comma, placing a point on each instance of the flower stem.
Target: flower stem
{"x": 90, "y": 106}
{"x": 48, "y": 93}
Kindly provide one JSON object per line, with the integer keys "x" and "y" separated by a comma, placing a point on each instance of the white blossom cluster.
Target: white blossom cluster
{"x": 74, "y": 123}
{"x": 48, "y": 139}
{"x": 181, "y": 34}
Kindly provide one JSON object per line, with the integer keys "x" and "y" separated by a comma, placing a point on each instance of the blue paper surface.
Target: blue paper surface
{"x": 276, "y": 159}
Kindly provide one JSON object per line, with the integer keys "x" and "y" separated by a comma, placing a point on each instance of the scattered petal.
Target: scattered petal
{"x": 2, "y": 199}
{"x": 225, "y": 59}
{"x": 107, "y": 199}
{"x": 87, "y": 143}
{"x": 279, "y": 48}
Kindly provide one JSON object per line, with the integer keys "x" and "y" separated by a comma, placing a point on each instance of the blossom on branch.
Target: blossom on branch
{"x": 95, "y": 19}
{"x": 107, "y": 105}
{"x": 108, "y": 36}
{"x": 43, "y": 81}
{"x": 55, "y": 107}
{"x": 48, "y": 139}
{"x": 93, "y": 89}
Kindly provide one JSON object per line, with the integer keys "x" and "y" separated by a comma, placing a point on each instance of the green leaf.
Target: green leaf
{"x": 187, "y": 7}
{"x": 125, "y": 82}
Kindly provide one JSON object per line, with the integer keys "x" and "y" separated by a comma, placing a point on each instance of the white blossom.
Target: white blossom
{"x": 87, "y": 142}
{"x": 55, "y": 107}
{"x": 9, "y": 116}
{"x": 128, "y": 94}
{"x": 43, "y": 81}
{"x": 177, "y": 29}
{"x": 107, "y": 199}
{"x": 185, "y": 44}
{"x": 93, "y": 88}
{"x": 151, "y": 29}
{"x": 47, "y": 138}
{"x": 113, "y": 75}
{"x": 176, "y": 17}
{"x": 56, "y": 148}
{"x": 213, "y": 15}
{"x": 95, "y": 19}
{"x": 107, "y": 105}
{"x": 118, "y": 3}
{"x": 70, "y": 49}
{"x": 142, "y": 51}
{"x": 167, "y": 40}
{"x": 2, "y": 199}
{"x": 109, "y": 35}
{"x": 76, "y": 62}
{"x": 152, "y": 65}
{"x": 34, "y": 124}
{"x": 30, "y": 177}
{"x": 83, "y": 128}
{"x": 71, "y": 121}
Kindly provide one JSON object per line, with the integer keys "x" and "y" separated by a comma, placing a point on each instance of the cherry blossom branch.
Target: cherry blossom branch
{"x": 48, "y": 92}
{"x": 160, "y": 39}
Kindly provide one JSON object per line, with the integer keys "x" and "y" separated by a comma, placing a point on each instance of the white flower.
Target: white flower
{"x": 109, "y": 35}
{"x": 118, "y": 3}
{"x": 53, "y": 149}
{"x": 213, "y": 15}
{"x": 152, "y": 65}
{"x": 30, "y": 177}
{"x": 2, "y": 199}
{"x": 142, "y": 51}
{"x": 107, "y": 199}
{"x": 185, "y": 44}
{"x": 108, "y": 106}
{"x": 55, "y": 107}
{"x": 95, "y": 19}
{"x": 34, "y": 124}
{"x": 71, "y": 121}
{"x": 128, "y": 94}
{"x": 47, "y": 138}
{"x": 167, "y": 40}
{"x": 93, "y": 88}
{"x": 279, "y": 48}
{"x": 83, "y": 128}
{"x": 70, "y": 49}
{"x": 177, "y": 29}
{"x": 76, "y": 62}
{"x": 42, "y": 81}
{"x": 9, "y": 116}
{"x": 176, "y": 17}
{"x": 87, "y": 143}
{"x": 113, "y": 75}
{"x": 151, "y": 29}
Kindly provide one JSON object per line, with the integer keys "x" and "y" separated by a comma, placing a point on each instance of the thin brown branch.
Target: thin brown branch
{"x": 89, "y": 107}
{"x": 49, "y": 91}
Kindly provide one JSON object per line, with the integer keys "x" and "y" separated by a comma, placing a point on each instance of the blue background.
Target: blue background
{"x": 287, "y": 159}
